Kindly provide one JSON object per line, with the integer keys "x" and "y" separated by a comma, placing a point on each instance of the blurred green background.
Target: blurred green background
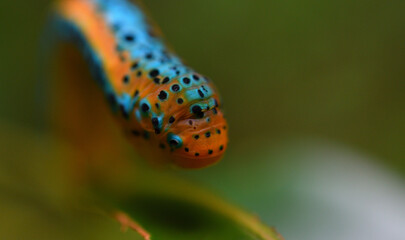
{"x": 325, "y": 69}
{"x": 293, "y": 75}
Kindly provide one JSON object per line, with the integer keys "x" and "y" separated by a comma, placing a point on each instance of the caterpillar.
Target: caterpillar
{"x": 158, "y": 100}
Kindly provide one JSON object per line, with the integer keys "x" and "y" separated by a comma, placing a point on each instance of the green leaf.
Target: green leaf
{"x": 174, "y": 208}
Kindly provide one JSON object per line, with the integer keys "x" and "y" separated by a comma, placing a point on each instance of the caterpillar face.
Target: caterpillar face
{"x": 162, "y": 104}
{"x": 185, "y": 122}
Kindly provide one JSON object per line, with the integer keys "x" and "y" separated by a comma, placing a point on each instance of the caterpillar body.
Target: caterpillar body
{"x": 158, "y": 100}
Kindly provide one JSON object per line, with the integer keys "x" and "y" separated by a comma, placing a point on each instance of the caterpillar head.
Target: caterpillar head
{"x": 184, "y": 119}
{"x": 198, "y": 142}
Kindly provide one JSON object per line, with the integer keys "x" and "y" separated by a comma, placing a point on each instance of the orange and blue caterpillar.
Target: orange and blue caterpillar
{"x": 160, "y": 102}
